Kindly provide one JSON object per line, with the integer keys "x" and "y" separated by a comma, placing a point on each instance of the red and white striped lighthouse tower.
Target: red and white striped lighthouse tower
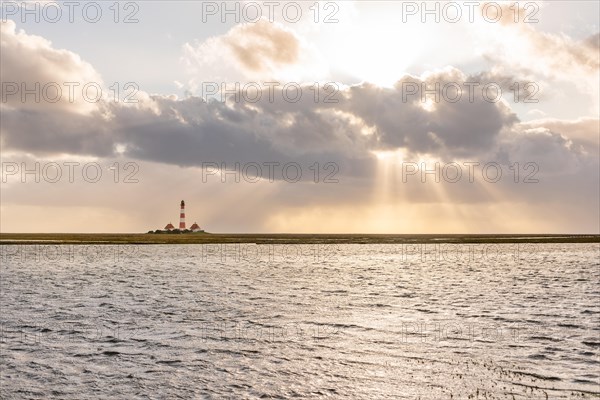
{"x": 182, "y": 216}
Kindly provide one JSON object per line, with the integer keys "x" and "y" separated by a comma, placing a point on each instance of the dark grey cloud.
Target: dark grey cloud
{"x": 452, "y": 126}
{"x": 191, "y": 132}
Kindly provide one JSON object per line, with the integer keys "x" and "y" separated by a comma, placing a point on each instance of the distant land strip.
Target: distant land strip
{"x": 200, "y": 238}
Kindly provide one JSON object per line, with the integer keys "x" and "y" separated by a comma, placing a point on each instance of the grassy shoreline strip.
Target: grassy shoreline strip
{"x": 201, "y": 238}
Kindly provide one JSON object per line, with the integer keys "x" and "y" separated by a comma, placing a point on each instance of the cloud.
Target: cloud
{"x": 445, "y": 127}
{"x": 29, "y": 60}
{"x": 560, "y": 51}
{"x": 593, "y": 42}
{"x": 552, "y": 55}
{"x": 262, "y": 45}
{"x": 582, "y": 133}
{"x": 362, "y": 119}
{"x": 252, "y": 50}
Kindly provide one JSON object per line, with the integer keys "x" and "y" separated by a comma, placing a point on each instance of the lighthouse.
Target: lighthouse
{"x": 182, "y": 228}
{"x": 182, "y": 216}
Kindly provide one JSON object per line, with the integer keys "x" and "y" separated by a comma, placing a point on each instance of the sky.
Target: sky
{"x": 300, "y": 117}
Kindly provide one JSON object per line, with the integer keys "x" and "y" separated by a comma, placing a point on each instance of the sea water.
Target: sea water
{"x": 510, "y": 321}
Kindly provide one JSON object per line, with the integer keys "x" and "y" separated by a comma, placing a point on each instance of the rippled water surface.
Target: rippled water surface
{"x": 304, "y": 321}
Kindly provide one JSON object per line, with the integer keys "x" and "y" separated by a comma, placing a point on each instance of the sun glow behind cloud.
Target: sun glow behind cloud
{"x": 374, "y": 47}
